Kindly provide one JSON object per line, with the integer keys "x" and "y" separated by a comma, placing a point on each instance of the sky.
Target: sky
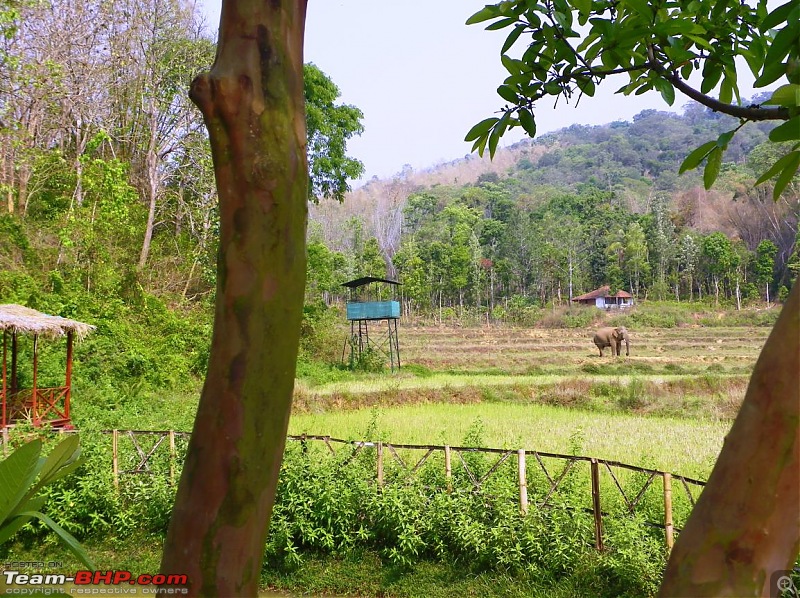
{"x": 423, "y": 78}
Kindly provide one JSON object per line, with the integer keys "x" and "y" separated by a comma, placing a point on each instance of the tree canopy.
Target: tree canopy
{"x": 329, "y": 127}
{"x": 572, "y": 46}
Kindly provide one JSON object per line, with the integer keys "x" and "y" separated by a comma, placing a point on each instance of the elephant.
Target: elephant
{"x": 612, "y": 337}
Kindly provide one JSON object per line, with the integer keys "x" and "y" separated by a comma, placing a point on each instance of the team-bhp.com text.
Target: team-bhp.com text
{"x": 159, "y": 583}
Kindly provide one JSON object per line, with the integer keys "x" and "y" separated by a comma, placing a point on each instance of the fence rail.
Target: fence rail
{"x": 148, "y": 446}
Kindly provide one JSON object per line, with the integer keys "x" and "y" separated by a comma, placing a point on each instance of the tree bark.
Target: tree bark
{"x": 252, "y": 103}
{"x": 745, "y": 526}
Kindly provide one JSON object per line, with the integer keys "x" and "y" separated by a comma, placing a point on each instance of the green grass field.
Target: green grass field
{"x": 668, "y": 405}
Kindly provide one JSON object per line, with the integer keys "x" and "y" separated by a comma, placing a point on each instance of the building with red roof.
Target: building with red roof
{"x": 604, "y": 299}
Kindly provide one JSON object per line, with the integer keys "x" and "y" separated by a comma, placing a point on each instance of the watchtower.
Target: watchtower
{"x": 366, "y": 311}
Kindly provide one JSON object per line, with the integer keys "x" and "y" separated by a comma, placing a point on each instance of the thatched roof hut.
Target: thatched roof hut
{"x": 41, "y": 405}
{"x": 20, "y": 319}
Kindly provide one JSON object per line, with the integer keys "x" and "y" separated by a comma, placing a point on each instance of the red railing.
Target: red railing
{"x": 47, "y": 405}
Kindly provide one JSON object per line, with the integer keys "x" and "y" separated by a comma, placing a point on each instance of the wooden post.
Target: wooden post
{"x": 35, "y": 412}
{"x": 5, "y": 393}
{"x": 598, "y": 515}
{"x": 172, "y": 456}
{"x": 68, "y": 377}
{"x": 448, "y": 468}
{"x": 5, "y": 442}
{"x": 13, "y": 363}
{"x": 114, "y": 460}
{"x": 380, "y": 464}
{"x": 523, "y": 482}
{"x": 668, "y": 526}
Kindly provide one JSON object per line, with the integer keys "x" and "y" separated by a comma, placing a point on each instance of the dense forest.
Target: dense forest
{"x": 576, "y": 209}
{"x": 109, "y": 210}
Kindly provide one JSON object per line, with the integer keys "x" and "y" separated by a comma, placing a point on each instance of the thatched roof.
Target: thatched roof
{"x": 18, "y": 318}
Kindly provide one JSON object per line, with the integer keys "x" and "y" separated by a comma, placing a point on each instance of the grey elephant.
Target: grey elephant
{"x": 612, "y": 337}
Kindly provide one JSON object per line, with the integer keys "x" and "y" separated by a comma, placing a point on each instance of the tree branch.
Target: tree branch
{"x": 745, "y": 112}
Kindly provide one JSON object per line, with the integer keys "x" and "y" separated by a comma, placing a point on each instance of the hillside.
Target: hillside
{"x": 487, "y": 230}
{"x": 631, "y": 158}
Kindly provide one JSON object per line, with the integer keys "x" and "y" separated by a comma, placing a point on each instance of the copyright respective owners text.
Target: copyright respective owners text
{"x": 25, "y": 578}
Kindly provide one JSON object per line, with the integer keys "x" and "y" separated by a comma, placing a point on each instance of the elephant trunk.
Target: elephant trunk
{"x": 627, "y": 346}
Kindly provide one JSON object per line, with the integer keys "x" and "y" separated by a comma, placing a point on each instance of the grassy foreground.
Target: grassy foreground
{"x": 667, "y": 406}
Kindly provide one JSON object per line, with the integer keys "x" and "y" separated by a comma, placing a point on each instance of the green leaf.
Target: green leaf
{"x": 693, "y": 159}
{"x": 484, "y": 14}
{"x": 508, "y": 94}
{"x": 481, "y": 128}
{"x": 777, "y": 16}
{"x": 515, "y": 67}
{"x": 712, "y": 71}
{"x": 771, "y": 73}
{"x": 699, "y": 41}
{"x": 725, "y": 92}
{"x": 788, "y": 131}
{"x": 775, "y": 168}
{"x": 724, "y": 139}
{"x": 11, "y": 527}
{"x": 527, "y": 121}
{"x": 788, "y": 173}
{"x": 786, "y": 95}
{"x": 666, "y": 89}
{"x": 711, "y": 171}
{"x": 501, "y": 24}
{"x": 17, "y": 473}
{"x": 584, "y": 10}
{"x": 67, "y": 538}
{"x": 16, "y": 521}
{"x": 480, "y": 144}
{"x": 64, "y": 453}
{"x": 784, "y": 41}
{"x": 494, "y": 139}
{"x": 502, "y": 124}
{"x": 641, "y": 7}
{"x": 512, "y": 38}
{"x": 586, "y": 85}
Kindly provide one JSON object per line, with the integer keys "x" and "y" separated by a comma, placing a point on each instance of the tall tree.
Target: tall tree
{"x": 329, "y": 128}
{"x": 253, "y": 105}
{"x": 170, "y": 50}
{"x": 764, "y": 265}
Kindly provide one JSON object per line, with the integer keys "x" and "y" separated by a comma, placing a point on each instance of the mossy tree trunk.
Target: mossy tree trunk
{"x": 252, "y": 103}
{"x": 746, "y": 524}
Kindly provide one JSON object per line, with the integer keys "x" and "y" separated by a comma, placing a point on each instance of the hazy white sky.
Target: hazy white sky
{"x": 423, "y": 78}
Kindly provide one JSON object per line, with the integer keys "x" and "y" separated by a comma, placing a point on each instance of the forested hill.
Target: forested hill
{"x": 646, "y": 151}
{"x": 570, "y": 211}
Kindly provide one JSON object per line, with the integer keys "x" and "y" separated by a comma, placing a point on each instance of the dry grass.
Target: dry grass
{"x": 669, "y": 404}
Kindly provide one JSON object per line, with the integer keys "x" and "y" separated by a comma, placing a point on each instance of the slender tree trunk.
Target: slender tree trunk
{"x": 738, "y": 296}
{"x": 745, "y": 526}
{"x": 153, "y": 184}
{"x": 252, "y": 102}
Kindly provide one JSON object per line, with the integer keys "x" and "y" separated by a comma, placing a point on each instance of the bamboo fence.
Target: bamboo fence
{"x": 144, "y": 448}
{"x": 160, "y": 453}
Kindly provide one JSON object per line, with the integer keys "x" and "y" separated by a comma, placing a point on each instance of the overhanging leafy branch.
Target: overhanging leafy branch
{"x": 660, "y": 45}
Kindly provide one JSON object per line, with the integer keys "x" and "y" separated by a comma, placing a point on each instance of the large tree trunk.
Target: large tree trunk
{"x": 252, "y": 103}
{"x": 746, "y": 524}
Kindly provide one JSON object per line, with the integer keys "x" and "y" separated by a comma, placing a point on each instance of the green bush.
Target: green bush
{"x": 330, "y": 504}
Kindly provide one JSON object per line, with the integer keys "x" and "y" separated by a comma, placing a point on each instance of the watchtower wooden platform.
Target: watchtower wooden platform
{"x": 365, "y": 313}
{"x": 39, "y": 405}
